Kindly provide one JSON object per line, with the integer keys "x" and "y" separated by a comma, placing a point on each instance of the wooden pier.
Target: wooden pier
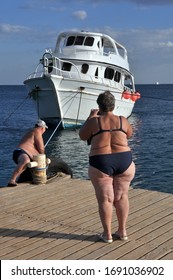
{"x": 59, "y": 221}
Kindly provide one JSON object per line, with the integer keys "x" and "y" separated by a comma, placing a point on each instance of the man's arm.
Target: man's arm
{"x": 39, "y": 143}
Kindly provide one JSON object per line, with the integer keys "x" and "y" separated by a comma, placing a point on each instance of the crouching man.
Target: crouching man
{"x": 31, "y": 144}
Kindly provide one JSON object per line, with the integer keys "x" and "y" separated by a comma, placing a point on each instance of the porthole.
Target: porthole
{"x": 84, "y": 68}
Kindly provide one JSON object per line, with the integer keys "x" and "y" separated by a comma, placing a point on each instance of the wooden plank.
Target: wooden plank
{"x": 168, "y": 256}
{"x": 60, "y": 220}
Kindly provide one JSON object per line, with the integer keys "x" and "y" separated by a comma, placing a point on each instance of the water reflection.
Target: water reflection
{"x": 152, "y": 171}
{"x": 67, "y": 145}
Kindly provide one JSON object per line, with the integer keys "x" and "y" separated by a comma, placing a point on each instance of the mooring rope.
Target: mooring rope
{"x": 71, "y": 99}
{"x": 53, "y": 133}
{"x": 5, "y": 120}
{"x": 80, "y": 99}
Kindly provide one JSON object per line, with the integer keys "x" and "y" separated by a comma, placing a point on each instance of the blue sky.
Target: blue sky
{"x": 144, "y": 27}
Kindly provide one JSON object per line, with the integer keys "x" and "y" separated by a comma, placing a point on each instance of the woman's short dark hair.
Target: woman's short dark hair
{"x": 106, "y": 101}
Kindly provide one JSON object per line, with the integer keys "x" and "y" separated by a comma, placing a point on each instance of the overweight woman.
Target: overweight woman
{"x": 111, "y": 168}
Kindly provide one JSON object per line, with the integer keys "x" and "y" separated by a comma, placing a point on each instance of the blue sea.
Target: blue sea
{"x": 151, "y": 144}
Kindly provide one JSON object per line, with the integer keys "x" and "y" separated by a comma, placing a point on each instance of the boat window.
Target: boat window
{"x": 50, "y": 67}
{"x": 89, "y": 41}
{"x": 102, "y": 42}
{"x": 109, "y": 73}
{"x": 70, "y": 41}
{"x": 66, "y": 66}
{"x": 117, "y": 76}
{"x": 121, "y": 51}
{"x": 84, "y": 68}
{"x": 96, "y": 73}
{"x": 127, "y": 77}
{"x": 79, "y": 40}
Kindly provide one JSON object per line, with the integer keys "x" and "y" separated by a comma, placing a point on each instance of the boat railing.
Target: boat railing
{"x": 71, "y": 75}
{"x": 57, "y": 65}
{"x": 52, "y": 65}
{"x": 128, "y": 88}
{"x": 37, "y": 72}
{"x": 109, "y": 53}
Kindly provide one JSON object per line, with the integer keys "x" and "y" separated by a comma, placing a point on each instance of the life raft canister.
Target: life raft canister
{"x": 135, "y": 96}
{"x": 126, "y": 94}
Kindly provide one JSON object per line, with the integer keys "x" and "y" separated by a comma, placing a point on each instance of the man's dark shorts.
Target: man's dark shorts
{"x": 17, "y": 153}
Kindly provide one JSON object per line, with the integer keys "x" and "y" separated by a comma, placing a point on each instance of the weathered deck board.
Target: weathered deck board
{"x": 60, "y": 220}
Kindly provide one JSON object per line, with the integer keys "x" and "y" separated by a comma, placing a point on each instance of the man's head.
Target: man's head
{"x": 41, "y": 123}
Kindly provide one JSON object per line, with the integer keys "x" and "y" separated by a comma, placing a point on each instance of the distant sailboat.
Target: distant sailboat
{"x": 157, "y": 83}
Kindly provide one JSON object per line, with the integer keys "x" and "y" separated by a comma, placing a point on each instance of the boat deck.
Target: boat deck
{"x": 59, "y": 221}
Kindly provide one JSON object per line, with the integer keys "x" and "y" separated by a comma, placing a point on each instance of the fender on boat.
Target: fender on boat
{"x": 126, "y": 94}
{"x": 135, "y": 96}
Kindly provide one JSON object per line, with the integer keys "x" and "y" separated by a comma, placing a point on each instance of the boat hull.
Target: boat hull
{"x": 68, "y": 102}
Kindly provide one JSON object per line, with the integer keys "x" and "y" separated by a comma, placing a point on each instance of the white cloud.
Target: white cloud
{"x": 143, "y": 39}
{"x": 168, "y": 44}
{"x": 8, "y": 28}
{"x": 82, "y": 15}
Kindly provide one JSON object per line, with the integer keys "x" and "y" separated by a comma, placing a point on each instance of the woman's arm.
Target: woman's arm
{"x": 85, "y": 131}
{"x": 129, "y": 129}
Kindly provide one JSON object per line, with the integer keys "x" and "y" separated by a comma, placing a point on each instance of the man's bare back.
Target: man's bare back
{"x": 32, "y": 142}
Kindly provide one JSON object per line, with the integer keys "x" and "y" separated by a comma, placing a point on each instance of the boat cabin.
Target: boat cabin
{"x": 89, "y": 42}
{"x": 89, "y": 56}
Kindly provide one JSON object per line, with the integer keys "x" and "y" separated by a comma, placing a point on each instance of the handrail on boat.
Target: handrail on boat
{"x": 53, "y": 65}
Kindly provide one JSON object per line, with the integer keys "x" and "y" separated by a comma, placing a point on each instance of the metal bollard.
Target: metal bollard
{"x": 39, "y": 167}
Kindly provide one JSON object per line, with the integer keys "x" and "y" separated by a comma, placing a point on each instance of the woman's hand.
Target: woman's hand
{"x": 93, "y": 113}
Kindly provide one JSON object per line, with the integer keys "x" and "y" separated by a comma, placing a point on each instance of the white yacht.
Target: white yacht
{"x": 68, "y": 79}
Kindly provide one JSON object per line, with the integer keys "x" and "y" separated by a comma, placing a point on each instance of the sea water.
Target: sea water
{"x": 151, "y": 144}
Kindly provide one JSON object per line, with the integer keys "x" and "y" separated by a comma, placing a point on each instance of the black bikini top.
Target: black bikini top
{"x": 106, "y": 130}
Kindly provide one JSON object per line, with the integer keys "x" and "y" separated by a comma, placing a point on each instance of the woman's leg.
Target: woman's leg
{"x": 121, "y": 201}
{"x": 103, "y": 185}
